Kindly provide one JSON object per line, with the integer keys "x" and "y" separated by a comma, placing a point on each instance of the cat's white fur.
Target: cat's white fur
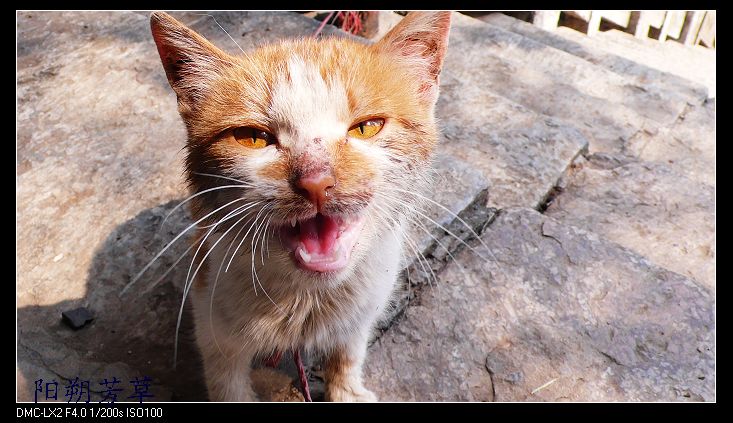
{"x": 239, "y": 318}
{"x": 303, "y": 96}
{"x": 233, "y": 331}
{"x": 235, "y": 326}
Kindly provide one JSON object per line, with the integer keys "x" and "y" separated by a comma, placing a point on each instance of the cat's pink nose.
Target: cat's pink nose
{"x": 315, "y": 188}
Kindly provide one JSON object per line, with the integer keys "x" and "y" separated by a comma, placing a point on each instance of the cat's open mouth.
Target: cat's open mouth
{"x": 322, "y": 243}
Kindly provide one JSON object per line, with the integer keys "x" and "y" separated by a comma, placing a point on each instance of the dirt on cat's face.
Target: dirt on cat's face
{"x": 323, "y": 133}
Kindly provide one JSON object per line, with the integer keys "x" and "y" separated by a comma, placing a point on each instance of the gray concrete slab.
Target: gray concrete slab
{"x": 692, "y": 63}
{"x": 592, "y": 49}
{"x": 647, "y": 207}
{"x": 605, "y": 106}
{"x": 561, "y": 315}
{"x": 688, "y": 146}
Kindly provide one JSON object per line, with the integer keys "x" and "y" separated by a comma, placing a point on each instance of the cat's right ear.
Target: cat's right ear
{"x": 420, "y": 40}
{"x": 188, "y": 58}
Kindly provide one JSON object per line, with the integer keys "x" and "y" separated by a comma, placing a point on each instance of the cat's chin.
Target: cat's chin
{"x": 322, "y": 244}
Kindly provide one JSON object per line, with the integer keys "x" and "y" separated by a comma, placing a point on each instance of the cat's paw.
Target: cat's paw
{"x": 351, "y": 393}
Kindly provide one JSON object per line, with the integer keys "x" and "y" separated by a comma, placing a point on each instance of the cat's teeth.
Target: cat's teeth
{"x": 305, "y": 256}
{"x": 293, "y": 221}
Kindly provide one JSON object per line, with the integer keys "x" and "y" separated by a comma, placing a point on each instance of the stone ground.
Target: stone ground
{"x": 589, "y": 176}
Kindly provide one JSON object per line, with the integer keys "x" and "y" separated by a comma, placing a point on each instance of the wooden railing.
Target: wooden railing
{"x": 687, "y": 27}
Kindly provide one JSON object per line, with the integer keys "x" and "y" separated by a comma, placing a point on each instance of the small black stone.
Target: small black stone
{"x": 77, "y": 318}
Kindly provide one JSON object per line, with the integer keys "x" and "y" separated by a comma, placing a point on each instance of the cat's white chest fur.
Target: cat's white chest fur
{"x": 240, "y": 326}
{"x": 270, "y": 312}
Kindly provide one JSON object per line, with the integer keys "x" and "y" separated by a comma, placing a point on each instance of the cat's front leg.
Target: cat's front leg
{"x": 343, "y": 367}
{"x": 227, "y": 378}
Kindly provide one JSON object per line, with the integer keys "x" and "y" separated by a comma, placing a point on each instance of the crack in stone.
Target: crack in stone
{"x": 567, "y": 256}
{"x": 493, "y": 385}
{"x": 39, "y": 357}
{"x": 50, "y": 368}
{"x": 559, "y": 187}
{"x": 477, "y": 209}
{"x": 610, "y": 357}
{"x": 549, "y": 198}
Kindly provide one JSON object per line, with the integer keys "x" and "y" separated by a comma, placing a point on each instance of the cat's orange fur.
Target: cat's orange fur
{"x": 307, "y": 93}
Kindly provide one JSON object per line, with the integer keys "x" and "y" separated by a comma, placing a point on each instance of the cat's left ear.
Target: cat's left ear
{"x": 188, "y": 58}
{"x": 420, "y": 40}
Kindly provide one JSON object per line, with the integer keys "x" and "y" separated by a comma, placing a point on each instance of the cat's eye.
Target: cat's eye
{"x": 253, "y": 137}
{"x": 366, "y": 129}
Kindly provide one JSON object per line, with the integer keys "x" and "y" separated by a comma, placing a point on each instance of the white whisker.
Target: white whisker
{"x": 222, "y": 28}
{"x": 460, "y": 266}
{"x": 488, "y": 250}
{"x": 249, "y": 185}
{"x": 415, "y": 210}
{"x": 231, "y": 214}
{"x": 242, "y": 241}
{"x": 157, "y": 281}
{"x": 252, "y": 251}
{"x": 188, "y": 283}
{"x": 171, "y": 243}
{"x": 196, "y": 195}
{"x": 254, "y": 270}
{"x": 213, "y": 289}
{"x": 410, "y": 243}
{"x": 265, "y": 236}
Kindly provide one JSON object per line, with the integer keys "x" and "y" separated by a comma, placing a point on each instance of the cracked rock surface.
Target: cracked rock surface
{"x": 561, "y": 314}
{"x": 648, "y": 207}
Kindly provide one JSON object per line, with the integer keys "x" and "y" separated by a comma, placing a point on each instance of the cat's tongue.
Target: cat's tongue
{"x": 323, "y": 243}
{"x": 318, "y": 234}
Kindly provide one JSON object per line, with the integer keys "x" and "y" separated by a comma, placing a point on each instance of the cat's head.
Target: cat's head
{"x": 327, "y": 135}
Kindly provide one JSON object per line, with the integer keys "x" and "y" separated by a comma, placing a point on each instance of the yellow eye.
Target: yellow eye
{"x": 253, "y": 137}
{"x": 367, "y": 128}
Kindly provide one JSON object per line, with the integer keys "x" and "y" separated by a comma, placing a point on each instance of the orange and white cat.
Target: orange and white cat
{"x": 301, "y": 158}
